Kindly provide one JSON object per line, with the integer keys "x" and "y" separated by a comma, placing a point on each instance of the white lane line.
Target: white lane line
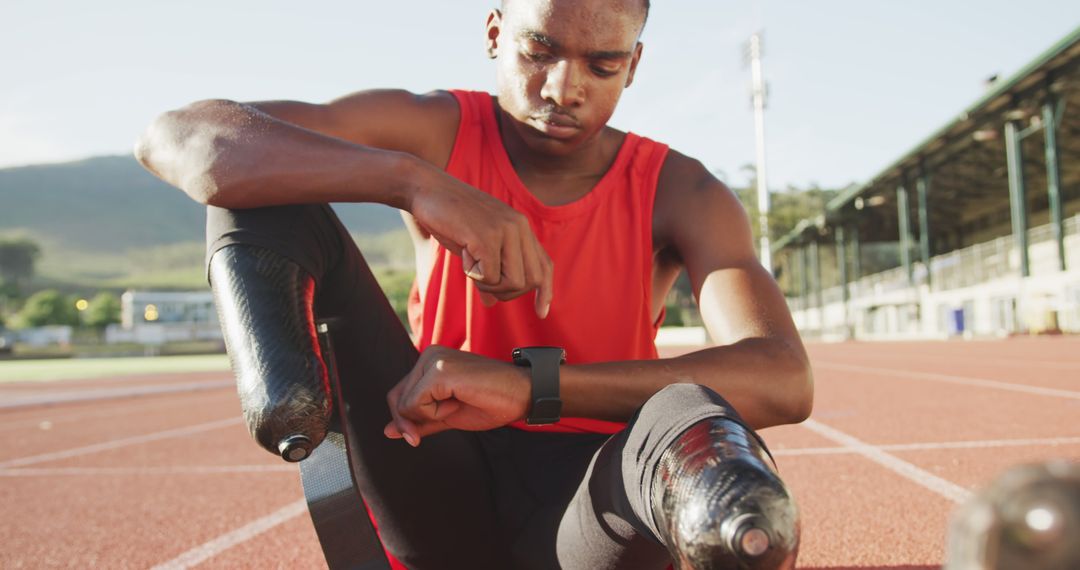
{"x": 230, "y": 539}
{"x": 93, "y": 394}
{"x": 946, "y": 489}
{"x": 116, "y": 409}
{"x": 175, "y": 470}
{"x": 117, "y": 443}
{"x": 963, "y": 380}
{"x": 1048, "y": 364}
{"x": 979, "y": 444}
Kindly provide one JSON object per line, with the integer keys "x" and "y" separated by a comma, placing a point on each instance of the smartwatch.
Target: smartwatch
{"x": 544, "y": 363}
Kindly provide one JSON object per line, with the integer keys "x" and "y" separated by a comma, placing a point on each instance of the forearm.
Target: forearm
{"x": 766, "y": 380}
{"x": 232, "y": 155}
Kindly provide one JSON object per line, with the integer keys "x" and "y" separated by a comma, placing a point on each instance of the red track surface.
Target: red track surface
{"x": 900, "y": 432}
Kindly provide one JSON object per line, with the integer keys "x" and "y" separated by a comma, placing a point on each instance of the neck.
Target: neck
{"x": 590, "y": 159}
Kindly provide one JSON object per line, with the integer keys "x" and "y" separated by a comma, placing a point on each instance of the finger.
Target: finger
{"x": 394, "y": 429}
{"x": 546, "y": 291}
{"x": 431, "y": 428}
{"x": 487, "y": 265}
{"x": 393, "y": 399}
{"x": 405, "y": 428}
{"x": 391, "y": 431}
{"x": 420, "y": 408}
{"x": 513, "y": 263}
{"x": 419, "y": 430}
{"x": 429, "y": 401}
{"x": 445, "y": 409}
{"x": 494, "y": 296}
{"x": 530, "y": 254}
{"x": 410, "y": 432}
{"x": 538, "y": 274}
{"x": 473, "y": 269}
{"x": 499, "y": 292}
{"x": 424, "y": 401}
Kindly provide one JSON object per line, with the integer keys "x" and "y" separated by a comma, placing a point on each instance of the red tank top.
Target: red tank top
{"x": 601, "y": 246}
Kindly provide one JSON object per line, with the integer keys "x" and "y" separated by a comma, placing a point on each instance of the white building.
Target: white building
{"x": 153, "y": 317}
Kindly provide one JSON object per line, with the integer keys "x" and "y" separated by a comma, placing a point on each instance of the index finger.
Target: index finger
{"x": 399, "y": 425}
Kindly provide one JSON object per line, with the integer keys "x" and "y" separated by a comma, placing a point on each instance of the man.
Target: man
{"x": 534, "y": 224}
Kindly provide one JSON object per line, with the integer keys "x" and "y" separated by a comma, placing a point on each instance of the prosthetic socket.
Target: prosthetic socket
{"x": 719, "y": 504}
{"x": 264, "y": 303}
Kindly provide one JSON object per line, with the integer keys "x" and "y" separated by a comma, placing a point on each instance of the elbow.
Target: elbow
{"x": 802, "y": 399}
{"x": 794, "y": 401}
{"x": 798, "y": 398}
{"x": 184, "y": 148}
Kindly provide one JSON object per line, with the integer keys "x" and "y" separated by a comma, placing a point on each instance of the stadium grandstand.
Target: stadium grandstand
{"x": 973, "y": 232}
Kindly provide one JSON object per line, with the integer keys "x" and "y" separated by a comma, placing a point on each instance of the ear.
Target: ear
{"x": 634, "y": 63}
{"x": 494, "y": 27}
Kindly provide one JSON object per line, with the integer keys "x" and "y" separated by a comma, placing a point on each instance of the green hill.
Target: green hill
{"x": 110, "y": 202}
{"x": 105, "y": 221}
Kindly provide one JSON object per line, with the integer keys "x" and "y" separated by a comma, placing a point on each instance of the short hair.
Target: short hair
{"x": 645, "y": 3}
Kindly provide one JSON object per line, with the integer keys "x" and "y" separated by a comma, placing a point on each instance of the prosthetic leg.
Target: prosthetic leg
{"x": 719, "y": 503}
{"x": 1029, "y": 517}
{"x": 264, "y": 303}
{"x": 289, "y": 391}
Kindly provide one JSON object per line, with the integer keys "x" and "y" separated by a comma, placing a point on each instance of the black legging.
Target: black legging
{"x": 472, "y": 500}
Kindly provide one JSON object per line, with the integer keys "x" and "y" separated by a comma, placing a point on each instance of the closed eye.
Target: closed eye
{"x": 603, "y": 71}
{"x": 538, "y": 57}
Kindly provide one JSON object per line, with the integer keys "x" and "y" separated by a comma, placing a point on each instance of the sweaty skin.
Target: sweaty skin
{"x": 561, "y": 67}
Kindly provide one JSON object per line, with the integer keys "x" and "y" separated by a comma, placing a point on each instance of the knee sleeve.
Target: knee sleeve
{"x": 310, "y": 235}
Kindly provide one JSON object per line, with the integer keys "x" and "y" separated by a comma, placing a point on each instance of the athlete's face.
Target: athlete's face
{"x": 562, "y": 66}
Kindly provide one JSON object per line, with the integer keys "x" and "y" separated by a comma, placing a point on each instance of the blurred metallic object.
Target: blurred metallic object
{"x": 1029, "y": 518}
{"x": 719, "y": 503}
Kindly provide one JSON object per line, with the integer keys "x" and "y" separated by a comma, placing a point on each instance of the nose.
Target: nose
{"x": 563, "y": 85}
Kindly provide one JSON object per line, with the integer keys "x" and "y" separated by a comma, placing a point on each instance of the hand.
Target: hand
{"x": 497, "y": 246}
{"x": 451, "y": 389}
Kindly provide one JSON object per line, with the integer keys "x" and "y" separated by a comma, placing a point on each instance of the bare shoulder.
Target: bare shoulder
{"x": 696, "y": 211}
{"x": 438, "y": 107}
{"x": 395, "y": 119}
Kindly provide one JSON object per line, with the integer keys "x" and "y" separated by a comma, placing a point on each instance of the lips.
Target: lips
{"x": 555, "y": 125}
{"x": 558, "y": 119}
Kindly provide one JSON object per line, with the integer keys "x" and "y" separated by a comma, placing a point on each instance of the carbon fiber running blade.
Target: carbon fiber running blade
{"x": 345, "y": 532}
{"x": 348, "y": 540}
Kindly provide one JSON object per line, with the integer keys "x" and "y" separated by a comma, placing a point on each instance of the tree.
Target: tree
{"x": 17, "y": 259}
{"x": 103, "y": 310}
{"x": 787, "y": 208}
{"x": 396, "y": 285}
{"x": 48, "y": 307}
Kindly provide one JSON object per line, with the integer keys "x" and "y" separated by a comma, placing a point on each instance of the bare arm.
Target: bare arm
{"x": 241, "y": 155}
{"x": 759, "y": 365}
{"x": 375, "y": 146}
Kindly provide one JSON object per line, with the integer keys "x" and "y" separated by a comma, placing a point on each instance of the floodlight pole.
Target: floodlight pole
{"x": 759, "y": 130}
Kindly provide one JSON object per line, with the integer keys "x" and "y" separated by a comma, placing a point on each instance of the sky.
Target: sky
{"x": 853, "y": 84}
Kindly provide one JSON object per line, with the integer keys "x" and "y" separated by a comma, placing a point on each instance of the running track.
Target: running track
{"x": 167, "y": 477}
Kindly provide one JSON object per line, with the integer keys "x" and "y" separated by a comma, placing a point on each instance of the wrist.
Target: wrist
{"x": 543, "y": 363}
{"x": 521, "y": 380}
{"x": 414, "y": 177}
{"x": 407, "y": 173}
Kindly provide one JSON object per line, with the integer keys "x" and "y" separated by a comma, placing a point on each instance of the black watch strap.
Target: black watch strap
{"x": 544, "y": 361}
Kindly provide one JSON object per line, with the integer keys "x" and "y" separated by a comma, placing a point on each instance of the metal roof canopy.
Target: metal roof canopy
{"x": 965, "y": 159}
